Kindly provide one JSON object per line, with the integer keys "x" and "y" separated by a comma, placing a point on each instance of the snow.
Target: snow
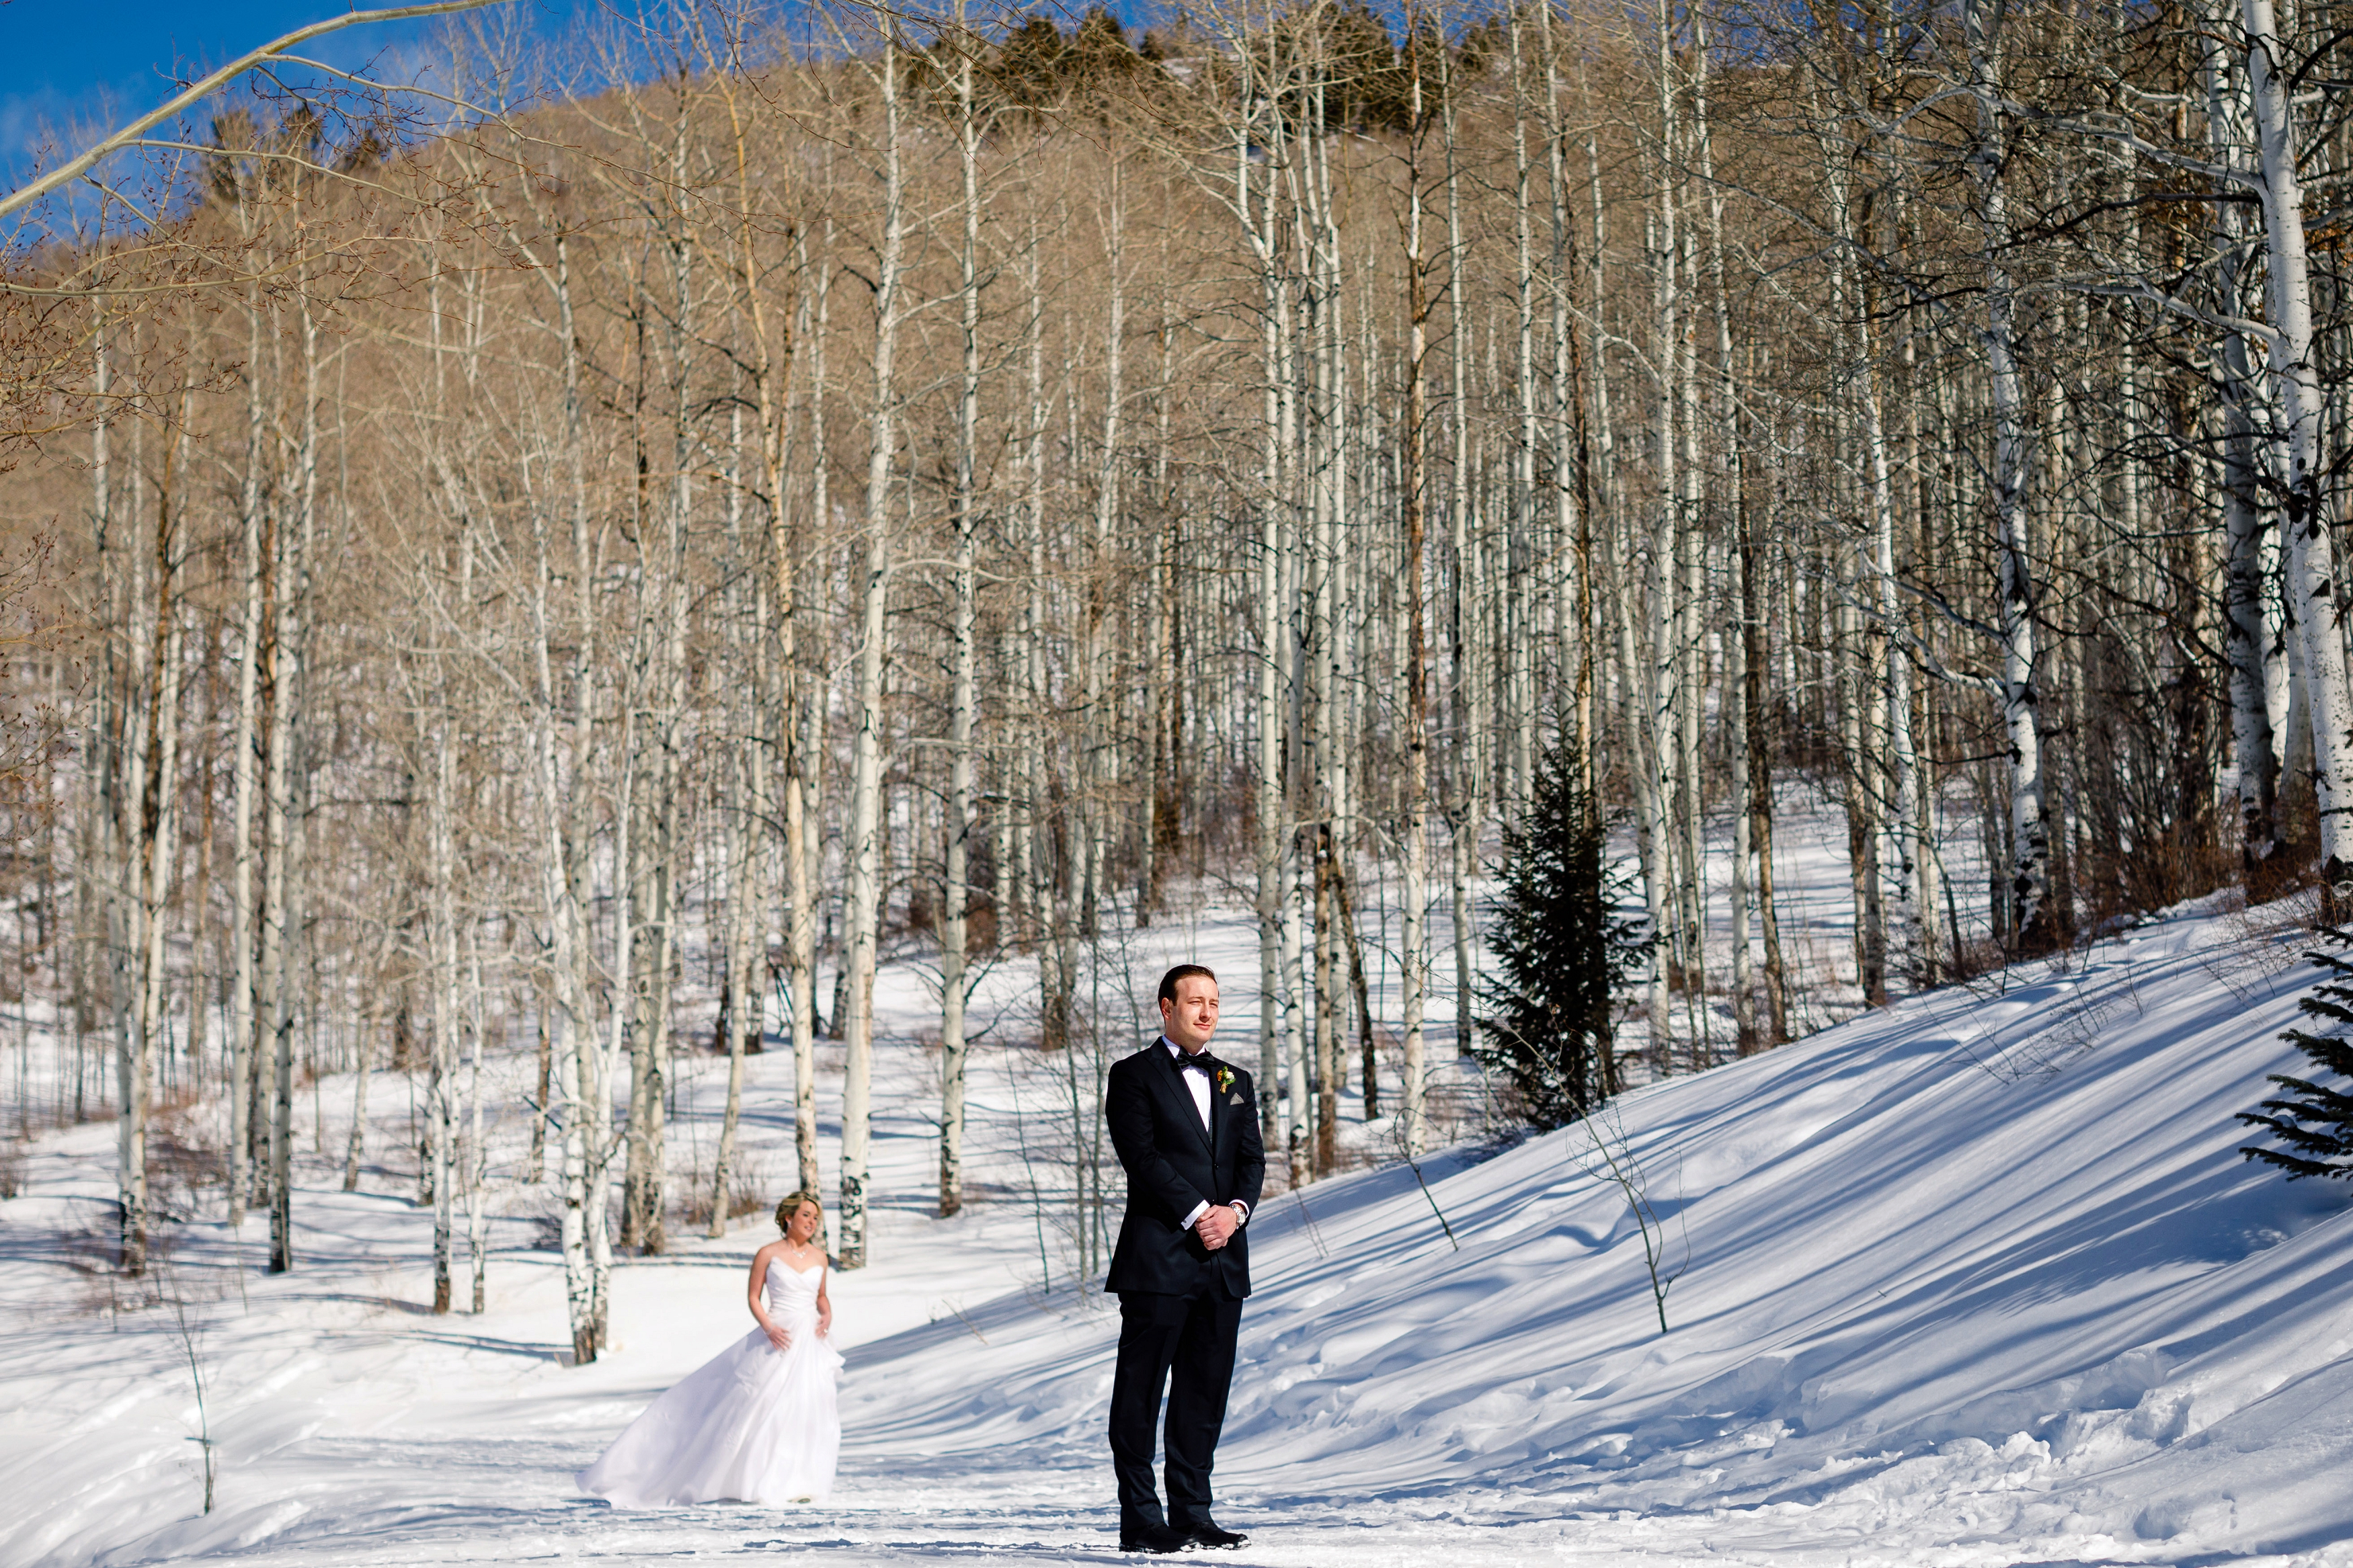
{"x": 1977, "y": 1278}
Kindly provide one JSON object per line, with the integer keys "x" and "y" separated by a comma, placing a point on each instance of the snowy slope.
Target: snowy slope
{"x": 1979, "y": 1276}
{"x": 1976, "y": 1279}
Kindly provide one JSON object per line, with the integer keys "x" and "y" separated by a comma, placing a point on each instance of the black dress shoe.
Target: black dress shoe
{"x": 1156, "y": 1539}
{"x": 1205, "y": 1532}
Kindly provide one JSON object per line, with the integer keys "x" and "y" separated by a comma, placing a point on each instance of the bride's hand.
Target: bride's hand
{"x": 779, "y": 1337}
{"x": 825, "y": 1326}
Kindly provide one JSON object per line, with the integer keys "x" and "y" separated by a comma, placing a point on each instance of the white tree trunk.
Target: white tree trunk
{"x": 2247, "y": 516}
{"x": 1413, "y": 959}
{"x": 1467, "y": 787}
{"x": 442, "y": 974}
{"x": 804, "y": 840}
{"x": 2035, "y": 924}
{"x": 158, "y": 821}
{"x": 866, "y": 781}
{"x": 742, "y": 765}
{"x": 2312, "y": 567}
{"x": 1901, "y": 912}
{"x": 1259, "y": 224}
{"x": 963, "y": 656}
{"x": 278, "y": 802}
{"x": 242, "y": 909}
{"x": 561, "y": 787}
{"x": 477, "y": 1155}
{"x": 1655, "y": 790}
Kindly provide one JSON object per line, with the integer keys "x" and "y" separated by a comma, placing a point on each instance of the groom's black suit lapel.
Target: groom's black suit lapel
{"x": 1216, "y": 1116}
{"x": 1184, "y": 1092}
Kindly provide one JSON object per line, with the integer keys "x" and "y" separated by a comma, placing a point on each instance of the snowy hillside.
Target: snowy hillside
{"x": 1977, "y": 1278}
{"x": 1973, "y": 1281}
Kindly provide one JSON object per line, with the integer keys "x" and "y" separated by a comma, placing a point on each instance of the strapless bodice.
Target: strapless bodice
{"x": 789, "y": 1290}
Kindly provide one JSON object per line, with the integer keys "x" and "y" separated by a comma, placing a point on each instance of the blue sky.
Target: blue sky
{"x": 72, "y": 68}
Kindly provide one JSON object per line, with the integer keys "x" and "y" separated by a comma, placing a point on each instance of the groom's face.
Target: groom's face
{"x": 1192, "y": 1017}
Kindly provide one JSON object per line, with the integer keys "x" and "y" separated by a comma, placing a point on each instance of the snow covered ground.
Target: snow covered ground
{"x": 1974, "y": 1280}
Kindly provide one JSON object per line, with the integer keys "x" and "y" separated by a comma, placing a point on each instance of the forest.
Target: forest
{"x": 743, "y": 495}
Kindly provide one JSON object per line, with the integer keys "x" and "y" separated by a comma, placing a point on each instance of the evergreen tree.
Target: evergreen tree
{"x": 1561, "y": 948}
{"x": 2314, "y": 1122}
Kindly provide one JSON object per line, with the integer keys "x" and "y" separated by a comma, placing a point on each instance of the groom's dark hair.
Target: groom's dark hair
{"x": 1183, "y": 972}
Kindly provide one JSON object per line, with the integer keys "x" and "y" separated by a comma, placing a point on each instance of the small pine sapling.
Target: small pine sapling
{"x": 1561, "y": 948}
{"x": 2316, "y": 1122}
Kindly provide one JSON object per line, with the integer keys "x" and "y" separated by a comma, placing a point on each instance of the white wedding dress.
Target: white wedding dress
{"x": 754, "y": 1424}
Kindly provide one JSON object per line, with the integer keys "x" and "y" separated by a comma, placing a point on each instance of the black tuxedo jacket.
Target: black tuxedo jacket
{"x": 1172, "y": 1165}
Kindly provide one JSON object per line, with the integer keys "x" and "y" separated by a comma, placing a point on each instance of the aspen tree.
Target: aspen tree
{"x": 437, "y": 719}
{"x": 107, "y": 765}
{"x": 1859, "y": 697}
{"x": 2311, "y": 555}
{"x": 1279, "y": 1081}
{"x": 561, "y": 769}
{"x": 243, "y": 910}
{"x": 1165, "y": 776}
{"x": 1738, "y": 718}
{"x": 1412, "y": 483}
{"x": 203, "y": 979}
{"x": 1032, "y": 842}
{"x": 2246, "y": 413}
{"x": 147, "y": 812}
{"x": 1295, "y": 564}
{"x": 1571, "y": 545}
{"x": 158, "y": 819}
{"x": 355, "y": 1139}
{"x": 1466, "y": 789}
{"x": 1325, "y": 435}
{"x": 476, "y": 1152}
{"x": 280, "y": 806}
{"x": 1263, "y": 153}
{"x": 1098, "y": 754}
{"x": 1756, "y": 775}
{"x": 446, "y": 588}
{"x": 664, "y": 886}
{"x": 1683, "y": 126}
{"x": 866, "y": 786}
{"x": 805, "y": 864}
{"x": 1655, "y": 787}
{"x": 769, "y": 693}
{"x": 744, "y": 811}
{"x": 1519, "y": 635}
{"x": 954, "y": 914}
{"x": 598, "y": 1049}
{"x": 1904, "y": 917}
{"x": 2035, "y": 925}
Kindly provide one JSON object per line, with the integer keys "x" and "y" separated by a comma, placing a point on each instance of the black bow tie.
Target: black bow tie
{"x": 1204, "y": 1062}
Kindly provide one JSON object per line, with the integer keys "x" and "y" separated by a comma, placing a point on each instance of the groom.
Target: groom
{"x": 1185, "y": 1126}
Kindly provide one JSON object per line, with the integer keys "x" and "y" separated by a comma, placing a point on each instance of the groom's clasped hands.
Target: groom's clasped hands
{"x": 1217, "y": 1226}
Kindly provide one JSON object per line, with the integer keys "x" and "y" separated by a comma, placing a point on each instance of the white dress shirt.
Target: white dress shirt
{"x": 1197, "y": 1078}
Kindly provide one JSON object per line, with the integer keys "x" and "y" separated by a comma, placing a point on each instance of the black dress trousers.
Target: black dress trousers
{"x": 1194, "y": 1337}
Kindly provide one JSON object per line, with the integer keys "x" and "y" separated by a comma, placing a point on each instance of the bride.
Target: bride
{"x": 756, "y": 1423}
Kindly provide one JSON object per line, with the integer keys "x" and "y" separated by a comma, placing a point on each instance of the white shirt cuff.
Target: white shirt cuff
{"x": 1198, "y": 1210}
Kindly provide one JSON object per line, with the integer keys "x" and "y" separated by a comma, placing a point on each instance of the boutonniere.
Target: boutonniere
{"x": 1225, "y": 1080}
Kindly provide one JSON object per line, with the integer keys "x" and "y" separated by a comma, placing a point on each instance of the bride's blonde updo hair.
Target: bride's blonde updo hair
{"x": 791, "y": 1205}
